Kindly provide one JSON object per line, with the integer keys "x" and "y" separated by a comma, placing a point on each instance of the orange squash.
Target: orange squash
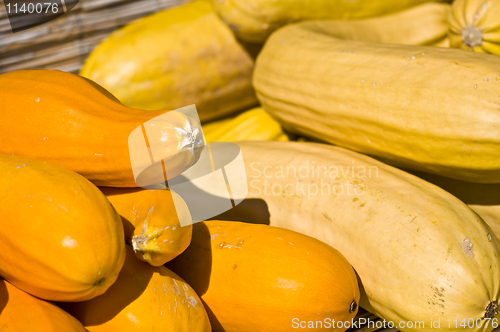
{"x": 145, "y": 299}
{"x": 61, "y": 238}
{"x": 262, "y": 278}
{"x": 21, "y": 312}
{"x": 71, "y": 121}
{"x": 152, "y": 222}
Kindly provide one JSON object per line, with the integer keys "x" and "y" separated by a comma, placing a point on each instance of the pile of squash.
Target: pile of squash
{"x": 370, "y": 134}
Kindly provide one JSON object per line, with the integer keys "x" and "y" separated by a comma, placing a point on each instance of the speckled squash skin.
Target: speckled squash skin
{"x": 429, "y": 109}
{"x": 146, "y": 299}
{"x": 20, "y": 312}
{"x": 61, "y": 238}
{"x": 254, "y": 21}
{"x": 420, "y": 252}
{"x": 71, "y": 121}
{"x": 152, "y": 222}
{"x": 260, "y": 278}
{"x": 475, "y": 25}
{"x": 179, "y": 56}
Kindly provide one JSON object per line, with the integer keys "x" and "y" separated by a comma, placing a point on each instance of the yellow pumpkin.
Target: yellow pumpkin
{"x": 475, "y": 25}
{"x": 144, "y": 298}
{"x": 261, "y": 278}
{"x": 152, "y": 222}
{"x": 176, "y": 57}
{"x": 61, "y": 238}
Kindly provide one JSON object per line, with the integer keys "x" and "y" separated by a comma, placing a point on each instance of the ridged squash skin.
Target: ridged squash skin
{"x": 483, "y": 198}
{"x": 260, "y": 278}
{"x": 420, "y": 252}
{"x": 475, "y": 25}
{"x": 144, "y": 298}
{"x": 151, "y": 222}
{"x": 252, "y": 125}
{"x": 68, "y": 120}
{"x": 179, "y": 56}
{"x": 424, "y": 108}
{"x": 254, "y": 21}
{"x": 21, "y": 312}
{"x": 61, "y": 238}
{"x": 424, "y": 24}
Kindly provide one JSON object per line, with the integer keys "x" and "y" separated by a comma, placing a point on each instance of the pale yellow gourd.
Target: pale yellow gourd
{"x": 253, "y": 125}
{"x": 424, "y": 108}
{"x": 424, "y": 24}
{"x": 255, "y": 20}
{"x": 420, "y": 252}
{"x": 177, "y": 57}
{"x": 475, "y": 25}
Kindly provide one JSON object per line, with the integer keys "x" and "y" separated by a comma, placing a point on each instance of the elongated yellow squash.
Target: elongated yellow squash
{"x": 177, "y": 57}
{"x": 424, "y": 108}
{"x": 483, "y": 198}
{"x": 254, "y": 21}
{"x": 424, "y": 24}
{"x": 61, "y": 238}
{"x": 253, "y": 125}
{"x": 475, "y": 25}
{"x": 262, "y": 278}
{"x": 421, "y": 254}
{"x": 152, "y": 222}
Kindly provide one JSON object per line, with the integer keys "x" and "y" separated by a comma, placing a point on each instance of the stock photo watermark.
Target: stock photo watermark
{"x": 309, "y": 180}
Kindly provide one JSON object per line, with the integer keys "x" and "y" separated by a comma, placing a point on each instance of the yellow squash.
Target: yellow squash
{"x": 483, "y": 198}
{"x": 424, "y": 108}
{"x": 152, "y": 222}
{"x": 20, "y": 312}
{"x": 253, "y": 125}
{"x": 424, "y": 24}
{"x": 262, "y": 278}
{"x": 421, "y": 254}
{"x": 254, "y": 21}
{"x": 144, "y": 299}
{"x": 475, "y": 25}
{"x": 61, "y": 238}
{"x": 68, "y": 120}
{"x": 177, "y": 57}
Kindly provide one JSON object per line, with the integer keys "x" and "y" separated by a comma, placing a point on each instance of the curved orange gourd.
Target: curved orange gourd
{"x": 152, "y": 222}
{"x": 71, "y": 121}
{"x": 61, "y": 238}
{"x": 21, "y": 312}
{"x": 144, "y": 298}
{"x": 262, "y": 278}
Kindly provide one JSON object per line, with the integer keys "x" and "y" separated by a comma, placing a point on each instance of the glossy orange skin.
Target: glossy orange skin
{"x": 21, "y": 312}
{"x": 71, "y": 121}
{"x": 61, "y": 238}
{"x": 146, "y": 299}
{"x": 151, "y": 223}
{"x": 260, "y": 278}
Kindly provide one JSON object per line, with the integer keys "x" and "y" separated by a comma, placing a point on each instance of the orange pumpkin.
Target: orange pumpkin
{"x": 152, "y": 222}
{"x": 61, "y": 238}
{"x": 71, "y": 121}
{"x": 21, "y": 312}
{"x": 261, "y": 278}
{"x": 144, "y": 298}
